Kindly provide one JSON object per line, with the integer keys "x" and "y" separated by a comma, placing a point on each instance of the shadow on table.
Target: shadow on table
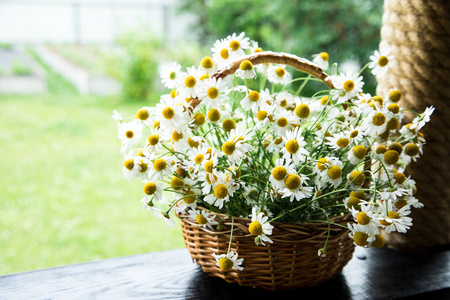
{"x": 203, "y": 286}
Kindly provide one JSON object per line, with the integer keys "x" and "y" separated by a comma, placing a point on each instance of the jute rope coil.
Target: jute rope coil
{"x": 292, "y": 260}
{"x": 418, "y": 32}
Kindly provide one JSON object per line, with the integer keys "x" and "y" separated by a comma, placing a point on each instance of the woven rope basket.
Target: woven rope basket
{"x": 290, "y": 262}
{"x": 418, "y": 32}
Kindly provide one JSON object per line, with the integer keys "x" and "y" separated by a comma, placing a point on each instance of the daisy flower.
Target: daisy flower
{"x": 190, "y": 83}
{"x": 260, "y": 227}
{"x": 130, "y": 134}
{"x": 294, "y": 189}
{"x": 133, "y": 166}
{"x": 226, "y": 262}
{"x": 332, "y": 174}
{"x": 213, "y": 92}
{"x": 321, "y": 60}
{"x": 381, "y": 60}
{"x": 375, "y": 122}
{"x": 274, "y": 144}
{"x": 252, "y": 101}
{"x": 420, "y": 121}
{"x": 338, "y": 141}
{"x": 283, "y": 121}
{"x": 412, "y": 152}
{"x": 161, "y": 167}
{"x": 170, "y": 74}
{"x": 294, "y": 147}
{"x": 237, "y": 44}
{"x": 165, "y": 217}
{"x": 117, "y": 116}
{"x": 263, "y": 115}
{"x": 171, "y": 117}
{"x": 285, "y": 100}
{"x": 357, "y": 154}
{"x": 237, "y": 144}
{"x": 363, "y": 235}
{"x": 346, "y": 86}
{"x": 278, "y": 75}
{"x": 223, "y": 189}
{"x": 283, "y": 167}
{"x": 221, "y": 53}
{"x": 196, "y": 159}
{"x": 246, "y": 70}
{"x": 207, "y": 65}
{"x": 202, "y": 218}
{"x": 153, "y": 191}
{"x": 392, "y": 220}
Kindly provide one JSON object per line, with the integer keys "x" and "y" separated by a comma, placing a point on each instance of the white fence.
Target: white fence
{"x": 88, "y": 22}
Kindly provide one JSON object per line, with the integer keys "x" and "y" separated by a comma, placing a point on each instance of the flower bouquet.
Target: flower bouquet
{"x": 274, "y": 189}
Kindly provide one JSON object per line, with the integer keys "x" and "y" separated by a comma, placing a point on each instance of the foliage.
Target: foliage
{"x": 135, "y": 64}
{"x": 346, "y": 29}
{"x": 20, "y": 69}
{"x": 5, "y": 46}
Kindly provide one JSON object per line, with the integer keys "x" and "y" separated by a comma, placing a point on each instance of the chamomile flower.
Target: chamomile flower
{"x": 222, "y": 191}
{"x": 278, "y": 74}
{"x": 338, "y": 141}
{"x": 228, "y": 261}
{"x": 152, "y": 191}
{"x": 346, "y": 86}
{"x": 363, "y": 235}
{"x": 213, "y": 93}
{"x": 274, "y": 144}
{"x": 394, "y": 220}
{"x": 165, "y": 217}
{"x": 420, "y": 121}
{"x": 263, "y": 115}
{"x": 412, "y": 152}
{"x": 117, "y": 116}
{"x": 260, "y": 228}
{"x": 170, "y": 74}
{"x": 130, "y": 134}
{"x": 286, "y": 100}
{"x": 202, "y": 218}
{"x": 190, "y": 83}
{"x": 375, "y": 122}
{"x": 246, "y": 70}
{"x": 294, "y": 189}
{"x": 221, "y": 53}
{"x": 196, "y": 159}
{"x": 237, "y": 44}
{"x": 252, "y": 101}
{"x": 161, "y": 167}
{"x": 294, "y": 147}
{"x": 321, "y": 60}
{"x": 332, "y": 174}
{"x": 283, "y": 167}
{"x": 131, "y": 167}
{"x": 283, "y": 121}
{"x": 356, "y": 154}
{"x": 207, "y": 65}
{"x": 237, "y": 144}
{"x": 170, "y": 117}
{"x": 381, "y": 60}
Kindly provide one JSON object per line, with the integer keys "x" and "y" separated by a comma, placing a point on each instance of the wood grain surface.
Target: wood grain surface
{"x": 371, "y": 274}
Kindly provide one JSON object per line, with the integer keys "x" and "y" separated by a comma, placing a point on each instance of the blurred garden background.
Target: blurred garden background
{"x": 66, "y": 65}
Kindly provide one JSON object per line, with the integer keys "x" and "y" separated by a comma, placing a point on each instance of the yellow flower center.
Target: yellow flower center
{"x": 354, "y": 134}
{"x": 228, "y": 148}
{"x": 225, "y": 264}
{"x": 168, "y": 113}
{"x": 381, "y": 149}
{"x": 228, "y": 124}
{"x": 280, "y": 72}
{"x": 246, "y": 65}
{"x": 321, "y": 164}
{"x": 173, "y": 75}
{"x": 283, "y": 103}
{"x": 213, "y": 115}
{"x": 412, "y": 149}
{"x": 357, "y": 177}
{"x": 353, "y": 201}
{"x": 149, "y": 188}
{"x": 253, "y": 96}
{"x": 391, "y": 157}
{"x": 379, "y": 241}
{"x": 342, "y": 142}
{"x": 156, "y": 124}
{"x": 255, "y": 228}
{"x": 221, "y": 191}
{"x": 278, "y": 140}
{"x": 360, "y": 238}
{"x": 176, "y": 136}
{"x": 261, "y": 115}
{"x": 362, "y": 218}
{"x": 143, "y": 167}
{"x": 142, "y": 114}
{"x": 153, "y": 139}
{"x": 199, "y": 158}
{"x": 192, "y": 143}
{"x": 201, "y": 219}
{"x": 213, "y": 92}
{"x": 292, "y": 146}
{"x": 176, "y": 183}
{"x": 383, "y": 61}
{"x": 359, "y": 151}
{"x": 397, "y": 147}
{"x": 324, "y": 56}
{"x": 358, "y": 194}
{"x": 129, "y": 134}
{"x": 279, "y": 173}
{"x": 302, "y": 111}
{"x": 394, "y": 108}
{"x": 235, "y": 45}
{"x": 349, "y": 85}
{"x": 209, "y": 166}
{"x": 199, "y": 119}
{"x": 334, "y": 172}
{"x": 204, "y": 76}
{"x": 393, "y": 215}
{"x": 258, "y": 50}
{"x": 392, "y": 124}
{"x": 378, "y": 119}
{"x": 224, "y": 53}
{"x": 292, "y": 181}
{"x": 400, "y": 203}
{"x": 395, "y": 95}
{"x": 190, "y": 197}
{"x": 282, "y": 122}
{"x": 129, "y": 164}
{"x": 324, "y": 100}
{"x": 207, "y": 62}
{"x": 190, "y": 81}
{"x": 159, "y": 164}
{"x": 173, "y": 93}
{"x": 378, "y": 99}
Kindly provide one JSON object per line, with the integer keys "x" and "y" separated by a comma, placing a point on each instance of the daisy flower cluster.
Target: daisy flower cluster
{"x": 250, "y": 145}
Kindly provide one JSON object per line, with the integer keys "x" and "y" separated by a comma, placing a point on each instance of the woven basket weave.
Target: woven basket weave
{"x": 290, "y": 262}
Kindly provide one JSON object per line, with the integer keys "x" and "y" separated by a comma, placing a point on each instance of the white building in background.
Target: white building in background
{"x": 88, "y": 21}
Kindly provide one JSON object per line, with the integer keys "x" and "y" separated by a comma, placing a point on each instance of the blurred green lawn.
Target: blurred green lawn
{"x": 63, "y": 199}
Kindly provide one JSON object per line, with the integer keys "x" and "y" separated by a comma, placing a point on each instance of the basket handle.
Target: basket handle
{"x": 299, "y": 63}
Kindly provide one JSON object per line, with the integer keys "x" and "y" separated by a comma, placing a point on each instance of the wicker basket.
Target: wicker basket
{"x": 292, "y": 260}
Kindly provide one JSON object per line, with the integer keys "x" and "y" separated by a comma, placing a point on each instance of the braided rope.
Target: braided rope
{"x": 418, "y": 32}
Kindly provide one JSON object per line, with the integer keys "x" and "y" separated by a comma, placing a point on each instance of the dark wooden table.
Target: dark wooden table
{"x": 371, "y": 274}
